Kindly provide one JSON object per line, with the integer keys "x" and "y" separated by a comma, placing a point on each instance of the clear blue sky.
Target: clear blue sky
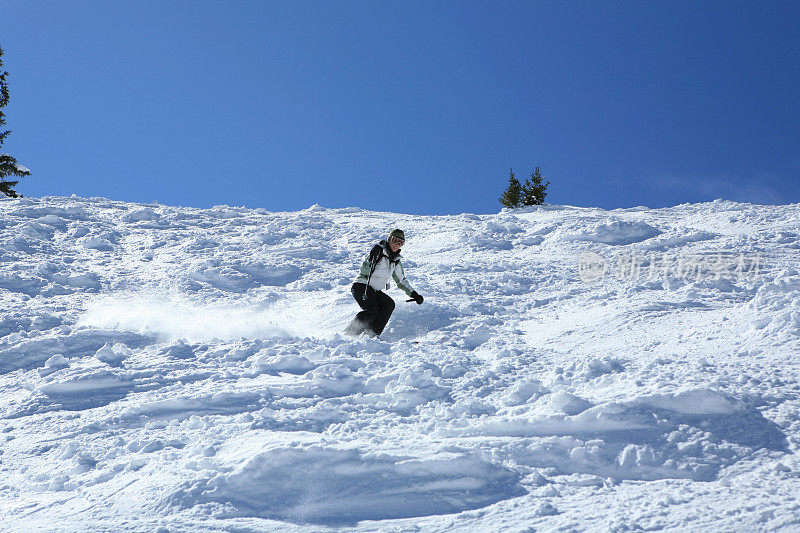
{"x": 413, "y": 106}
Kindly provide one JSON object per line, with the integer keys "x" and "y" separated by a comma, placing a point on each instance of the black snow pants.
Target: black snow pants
{"x": 377, "y": 308}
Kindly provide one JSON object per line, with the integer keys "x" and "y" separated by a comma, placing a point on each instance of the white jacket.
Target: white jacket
{"x": 385, "y": 269}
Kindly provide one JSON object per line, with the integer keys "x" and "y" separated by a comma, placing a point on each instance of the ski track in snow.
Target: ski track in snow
{"x": 173, "y": 369}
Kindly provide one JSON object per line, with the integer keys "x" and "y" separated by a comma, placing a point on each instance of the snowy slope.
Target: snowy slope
{"x": 174, "y": 369}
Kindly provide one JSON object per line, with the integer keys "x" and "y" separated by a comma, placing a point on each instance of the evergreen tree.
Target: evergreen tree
{"x": 534, "y": 192}
{"x": 513, "y": 194}
{"x": 8, "y": 165}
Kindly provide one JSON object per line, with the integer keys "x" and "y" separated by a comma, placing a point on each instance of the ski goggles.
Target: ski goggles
{"x": 397, "y": 240}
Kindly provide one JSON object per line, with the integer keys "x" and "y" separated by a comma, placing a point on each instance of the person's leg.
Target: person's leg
{"x": 385, "y": 309}
{"x": 365, "y": 318}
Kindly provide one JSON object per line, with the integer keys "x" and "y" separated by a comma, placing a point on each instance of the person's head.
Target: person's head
{"x": 396, "y": 239}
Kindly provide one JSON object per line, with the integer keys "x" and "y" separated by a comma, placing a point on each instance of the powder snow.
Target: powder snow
{"x": 179, "y": 369}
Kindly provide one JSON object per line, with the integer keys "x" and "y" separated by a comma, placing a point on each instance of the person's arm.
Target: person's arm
{"x": 400, "y": 278}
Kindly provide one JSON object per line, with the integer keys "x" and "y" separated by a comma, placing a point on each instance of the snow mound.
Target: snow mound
{"x": 616, "y": 233}
{"x": 777, "y": 304}
{"x": 678, "y": 240}
{"x": 240, "y": 276}
{"x": 690, "y": 434}
{"x": 335, "y": 487}
{"x": 140, "y": 215}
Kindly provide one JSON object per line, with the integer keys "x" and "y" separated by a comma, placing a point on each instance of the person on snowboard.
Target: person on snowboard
{"x": 382, "y": 263}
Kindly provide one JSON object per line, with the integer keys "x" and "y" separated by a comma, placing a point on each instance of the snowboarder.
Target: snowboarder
{"x": 382, "y": 263}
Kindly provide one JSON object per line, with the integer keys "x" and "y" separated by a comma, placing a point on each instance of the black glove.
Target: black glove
{"x": 417, "y": 297}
